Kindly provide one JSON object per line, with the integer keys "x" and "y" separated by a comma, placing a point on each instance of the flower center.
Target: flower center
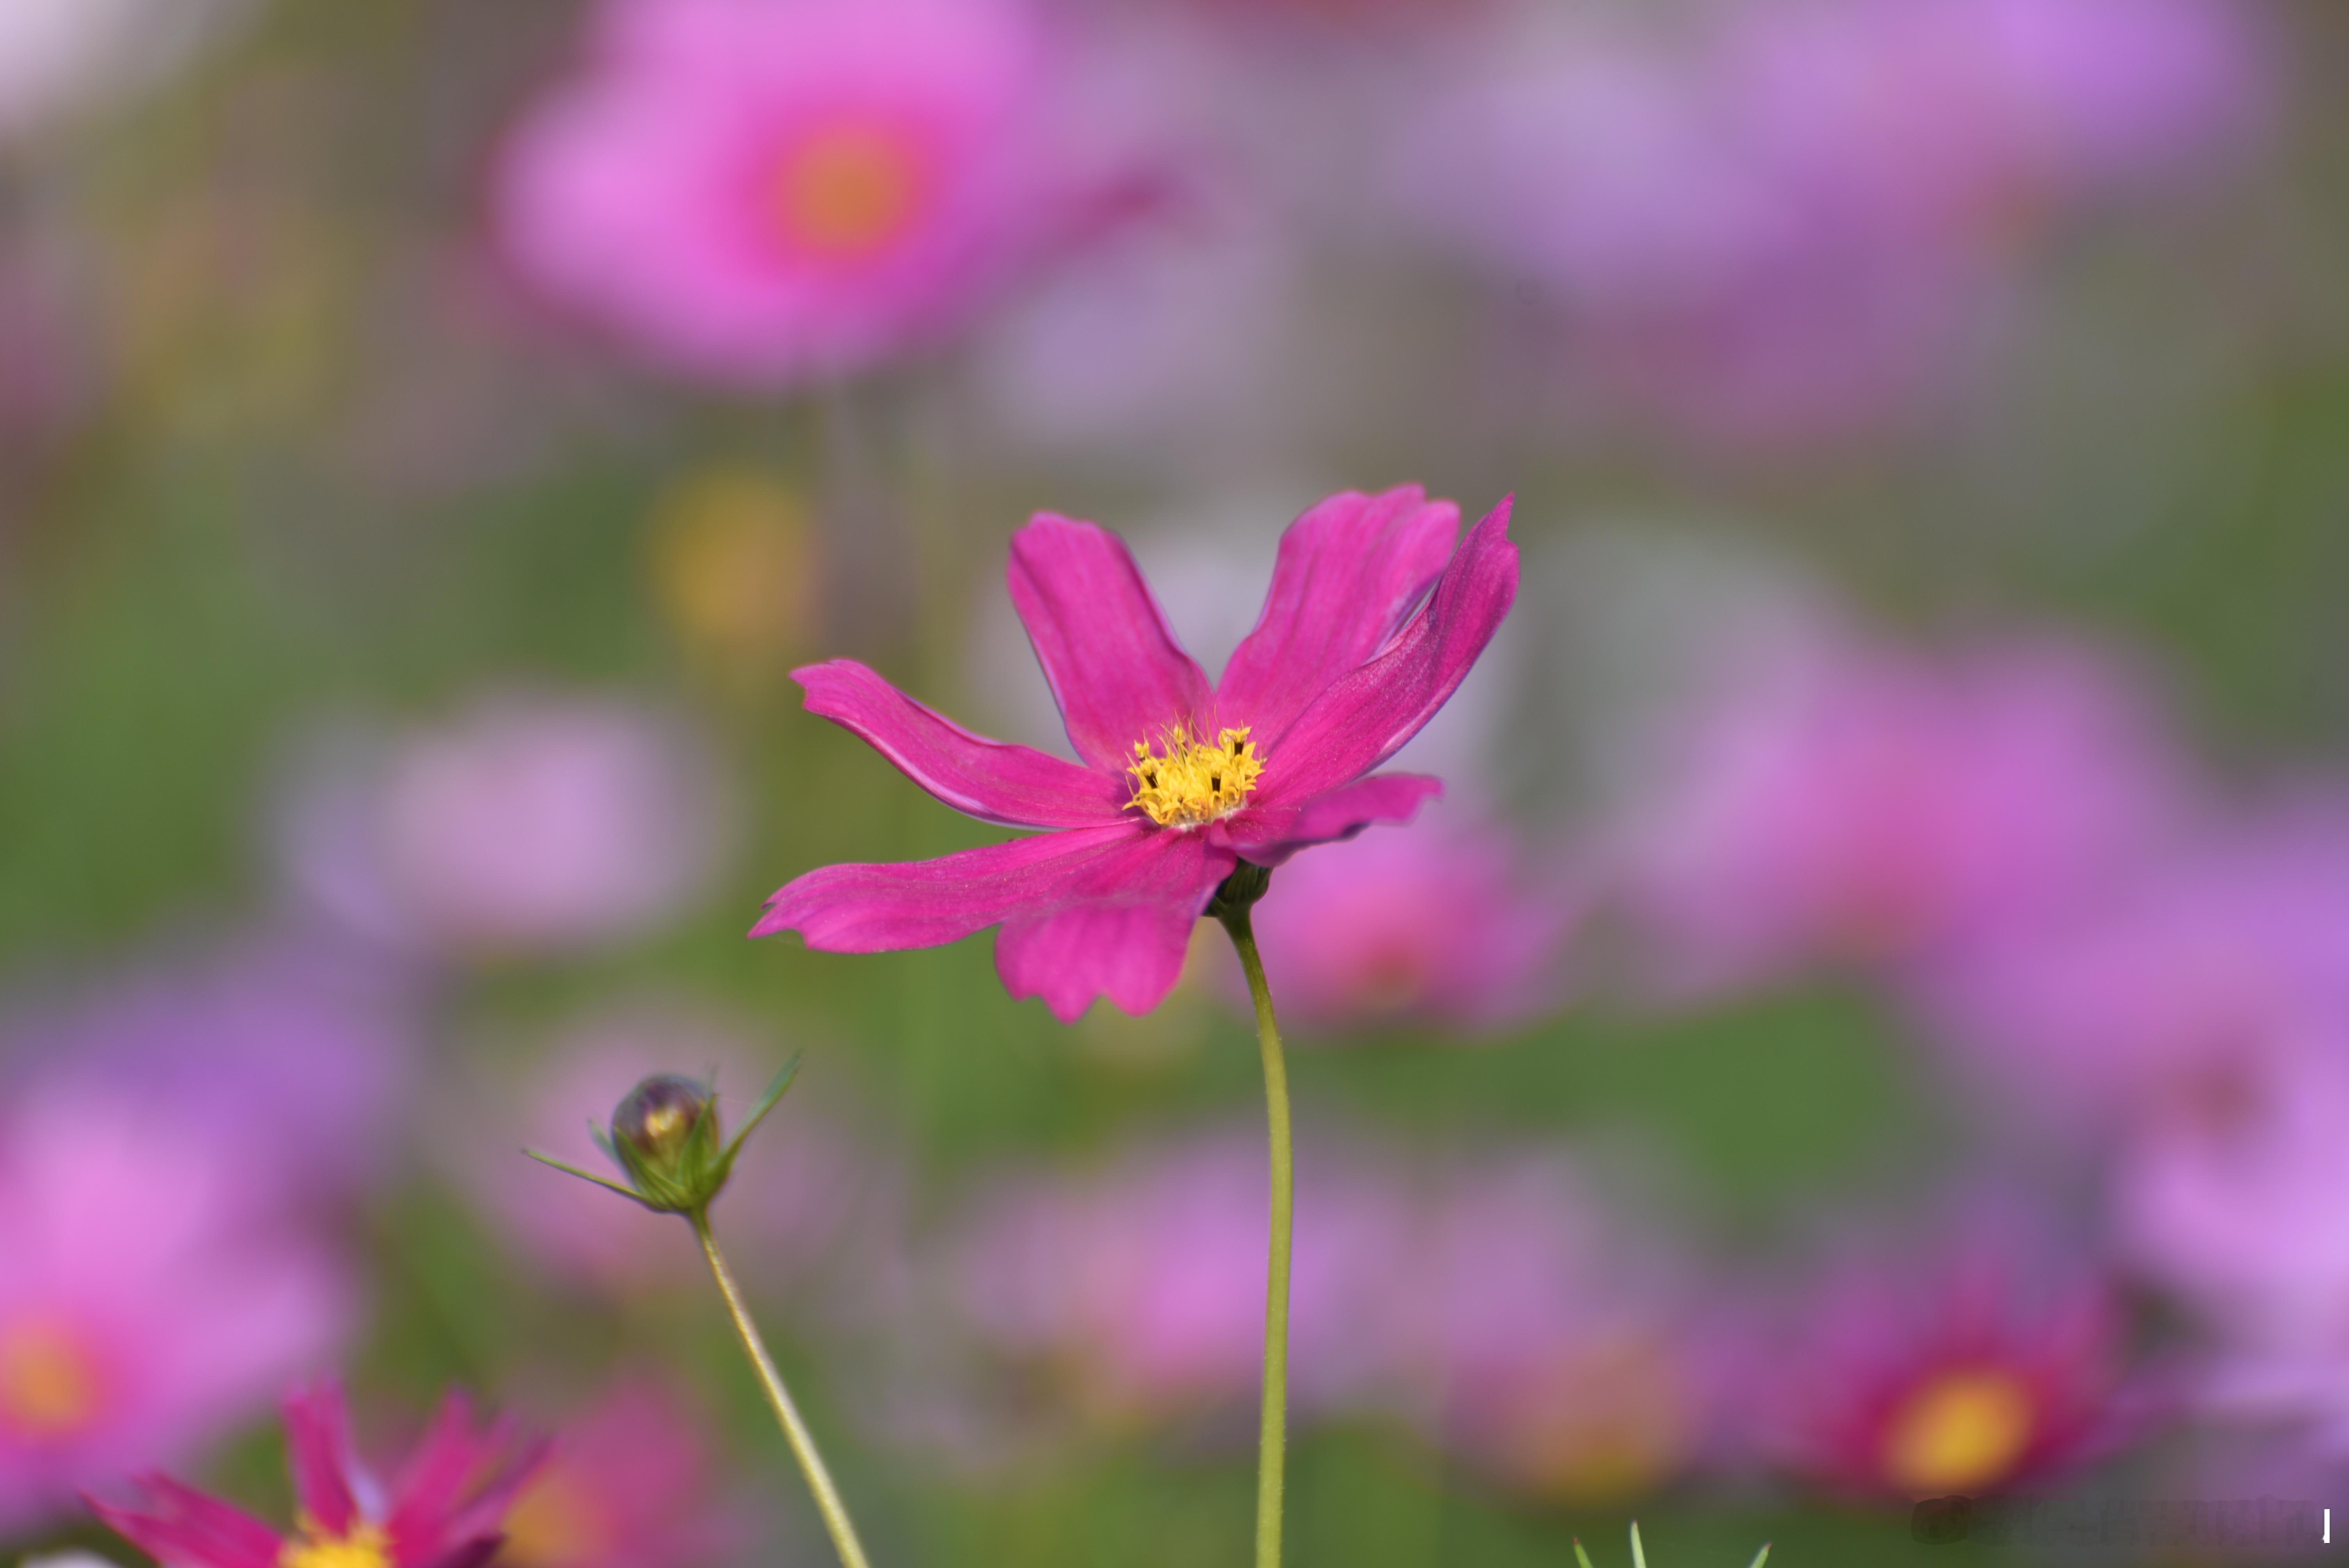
{"x": 845, "y": 192}
{"x": 49, "y": 1388}
{"x": 1960, "y": 1432}
{"x": 366, "y": 1546}
{"x": 1187, "y": 783}
{"x": 558, "y": 1520}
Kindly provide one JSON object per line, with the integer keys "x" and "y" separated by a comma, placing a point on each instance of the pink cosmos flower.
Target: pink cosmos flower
{"x": 526, "y": 823}
{"x": 1436, "y": 924}
{"x": 1865, "y": 805}
{"x": 1557, "y": 1347}
{"x": 149, "y": 1300}
{"x": 1147, "y": 1280}
{"x": 628, "y": 1484}
{"x": 780, "y": 191}
{"x": 1180, "y": 780}
{"x": 443, "y": 1510}
{"x": 1980, "y": 1361}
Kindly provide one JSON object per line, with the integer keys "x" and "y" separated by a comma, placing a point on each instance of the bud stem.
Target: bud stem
{"x": 819, "y": 1479}
{"x": 1272, "y": 1443}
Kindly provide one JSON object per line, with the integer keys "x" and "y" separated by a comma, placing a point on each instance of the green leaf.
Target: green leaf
{"x": 629, "y": 1193}
{"x": 766, "y": 1102}
{"x": 1759, "y": 1557}
{"x": 1639, "y": 1557}
{"x": 1581, "y": 1557}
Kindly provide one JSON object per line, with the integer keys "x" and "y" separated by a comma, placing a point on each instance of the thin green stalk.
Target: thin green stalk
{"x": 1273, "y": 1437}
{"x": 819, "y": 1479}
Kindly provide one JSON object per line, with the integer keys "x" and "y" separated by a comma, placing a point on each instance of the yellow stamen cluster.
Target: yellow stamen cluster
{"x": 1962, "y": 1431}
{"x": 1186, "y": 784}
{"x": 366, "y": 1546}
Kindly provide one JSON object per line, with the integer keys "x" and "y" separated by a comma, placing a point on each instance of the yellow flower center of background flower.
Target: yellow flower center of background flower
{"x": 845, "y": 192}
{"x": 366, "y": 1546}
{"x": 558, "y": 1520}
{"x": 49, "y": 1388}
{"x": 1961, "y": 1431}
{"x": 1187, "y": 783}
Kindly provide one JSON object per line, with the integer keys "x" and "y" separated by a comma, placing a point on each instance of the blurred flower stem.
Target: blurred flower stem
{"x": 1231, "y": 905}
{"x": 803, "y": 1448}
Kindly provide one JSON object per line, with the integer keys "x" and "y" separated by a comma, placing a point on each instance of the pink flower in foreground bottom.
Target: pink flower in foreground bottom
{"x": 446, "y": 1509}
{"x": 1181, "y": 780}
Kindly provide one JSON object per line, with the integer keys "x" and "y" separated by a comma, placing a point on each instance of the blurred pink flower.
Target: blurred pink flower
{"x": 629, "y": 1484}
{"x": 49, "y": 359}
{"x": 526, "y": 824}
{"x": 1859, "y": 804}
{"x": 299, "y": 1054}
{"x": 2239, "y": 1200}
{"x": 776, "y": 193}
{"x": 809, "y": 1182}
{"x": 1144, "y": 1281}
{"x": 443, "y": 1510}
{"x": 1439, "y": 922}
{"x": 2169, "y": 994}
{"x": 1560, "y": 1348}
{"x": 1982, "y": 1360}
{"x": 1372, "y": 622}
{"x": 149, "y": 1301}
{"x": 1795, "y": 225}
{"x": 1963, "y": 115}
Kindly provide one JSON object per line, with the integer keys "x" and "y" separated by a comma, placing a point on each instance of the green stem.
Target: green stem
{"x": 819, "y": 1479}
{"x": 1273, "y": 1436}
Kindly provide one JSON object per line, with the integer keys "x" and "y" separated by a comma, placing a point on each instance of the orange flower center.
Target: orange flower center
{"x": 48, "y": 1386}
{"x": 557, "y": 1520}
{"x": 846, "y": 193}
{"x": 1959, "y": 1433}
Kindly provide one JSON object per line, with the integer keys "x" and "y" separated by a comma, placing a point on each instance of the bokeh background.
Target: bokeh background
{"x": 1870, "y": 1022}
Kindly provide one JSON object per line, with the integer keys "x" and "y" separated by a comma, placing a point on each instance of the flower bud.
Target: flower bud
{"x": 664, "y": 1138}
{"x": 665, "y": 1133}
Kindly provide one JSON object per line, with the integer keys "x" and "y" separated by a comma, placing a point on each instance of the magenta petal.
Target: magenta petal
{"x": 1131, "y": 953}
{"x": 1367, "y": 715}
{"x": 483, "y": 1517}
{"x": 182, "y": 1528}
{"x": 318, "y": 1451}
{"x": 1271, "y": 835}
{"x": 991, "y": 779}
{"x": 426, "y": 1495}
{"x": 921, "y": 903}
{"x": 1349, "y": 570}
{"x": 1112, "y": 661}
{"x": 1123, "y": 933}
{"x": 470, "y": 1553}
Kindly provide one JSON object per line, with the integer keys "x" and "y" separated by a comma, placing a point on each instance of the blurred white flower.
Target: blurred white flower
{"x": 61, "y": 56}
